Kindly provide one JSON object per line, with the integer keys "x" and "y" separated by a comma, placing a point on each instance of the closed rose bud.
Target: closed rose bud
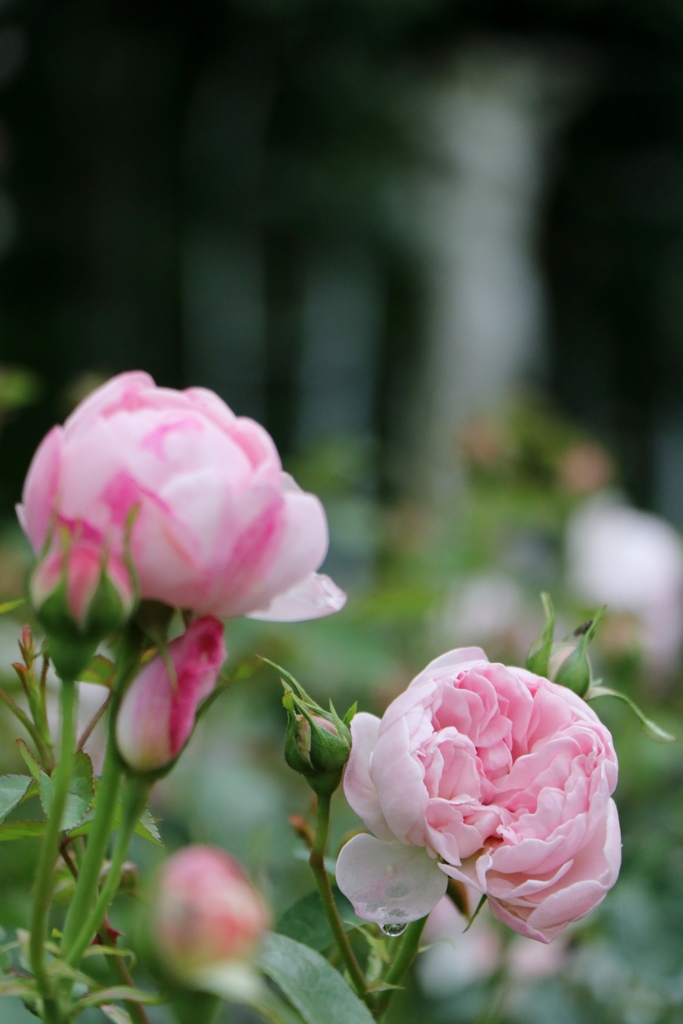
{"x": 81, "y": 592}
{"x": 314, "y": 746}
{"x": 157, "y": 713}
{"x": 207, "y": 918}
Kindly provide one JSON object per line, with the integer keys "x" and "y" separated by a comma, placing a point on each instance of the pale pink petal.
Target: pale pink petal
{"x": 399, "y": 781}
{"x": 117, "y": 390}
{"x": 40, "y": 495}
{"x": 300, "y": 551}
{"x": 358, "y": 786}
{"x": 389, "y": 883}
{"x": 458, "y": 659}
{"x": 312, "y": 598}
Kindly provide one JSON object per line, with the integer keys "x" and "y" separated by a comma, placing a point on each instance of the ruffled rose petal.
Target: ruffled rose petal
{"x": 359, "y": 788}
{"x": 389, "y": 883}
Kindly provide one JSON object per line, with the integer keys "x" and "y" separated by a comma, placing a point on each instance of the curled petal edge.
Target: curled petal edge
{"x": 311, "y": 598}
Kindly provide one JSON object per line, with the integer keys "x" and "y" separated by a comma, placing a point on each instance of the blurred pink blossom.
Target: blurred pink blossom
{"x": 631, "y": 561}
{"x": 206, "y": 916}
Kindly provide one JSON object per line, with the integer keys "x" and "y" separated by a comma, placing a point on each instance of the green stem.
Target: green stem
{"x": 90, "y": 869}
{"x": 31, "y": 729}
{"x": 410, "y": 944}
{"x": 50, "y": 850}
{"x": 317, "y": 862}
{"x": 136, "y": 1011}
{"x": 192, "y": 1007}
{"x": 89, "y": 873}
{"x": 135, "y": 796}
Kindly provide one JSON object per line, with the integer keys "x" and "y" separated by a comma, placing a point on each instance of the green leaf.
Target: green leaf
{"x": 9, "y": 606}
{"x": 116, "y": 1014}
{"x": 81, "y": 791}
{"x": 125, "y": 992}
{"x": 146, "y": 827}
{"x": 99, "y": 670}
{"x": 21, "y": 830}
{"x": 306, "y": 922}
{"x": 29, "y": 760}
{"x": 21, "y": 987}
{"x": 539, "y": 654}
{"x": 312, "y": 986}
{"x": 12, "y": 791}
{"x": 649, "y": 727}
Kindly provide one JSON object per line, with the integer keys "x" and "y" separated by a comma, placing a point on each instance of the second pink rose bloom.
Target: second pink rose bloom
{"x": 219, "y": 528}
{"x": 490, "y": 775}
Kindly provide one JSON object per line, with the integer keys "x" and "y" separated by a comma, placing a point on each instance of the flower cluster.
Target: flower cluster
{"x": 157, "y": 514}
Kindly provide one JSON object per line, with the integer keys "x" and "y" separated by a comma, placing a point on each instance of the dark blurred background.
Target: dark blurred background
{"x": 320, "y": 207}
{"x": 436, "y": 247}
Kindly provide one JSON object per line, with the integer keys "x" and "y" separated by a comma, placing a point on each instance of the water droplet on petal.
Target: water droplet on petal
{"x": 394, "y": 930}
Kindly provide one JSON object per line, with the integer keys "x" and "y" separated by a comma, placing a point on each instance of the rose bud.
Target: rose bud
{"x": 157, "y": 713}
{"x": 81, "y": 592}
{"x": 207, "y": 920}
{"x": 569, "y": 665}
{"x": 315, "y": 746}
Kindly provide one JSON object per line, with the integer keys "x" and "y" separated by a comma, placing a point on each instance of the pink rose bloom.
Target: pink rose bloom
{"x": 157, "y": 713}
{"x": 219, "y": 527}
{"x": 494, "y": 776}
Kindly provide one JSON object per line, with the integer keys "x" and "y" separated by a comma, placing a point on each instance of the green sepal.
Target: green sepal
{"x": 476, "y": 913}
{"x": 575, "y": 670}
{"x": 539, "y": 652}
{"x": 649, "y": 727}
{"x": 311, "y": 749}
{"x": 99, "y": 670}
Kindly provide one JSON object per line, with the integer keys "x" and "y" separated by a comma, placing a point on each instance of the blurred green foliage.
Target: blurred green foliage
{"x": 232, "y": 787}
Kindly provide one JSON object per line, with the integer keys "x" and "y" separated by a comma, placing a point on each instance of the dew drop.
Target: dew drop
{"x": 394, "y": 930}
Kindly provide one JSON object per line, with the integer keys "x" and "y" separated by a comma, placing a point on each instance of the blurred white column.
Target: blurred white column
{"x": 495, "y": 118}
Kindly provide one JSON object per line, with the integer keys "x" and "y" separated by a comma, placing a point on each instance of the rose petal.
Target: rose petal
{"x": 359, "y": 788}
{"x": 312, "y": 598}
{"x": 389, "y": 883}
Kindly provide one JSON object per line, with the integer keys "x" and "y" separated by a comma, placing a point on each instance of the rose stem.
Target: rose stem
{"x": 135, "y": 796}
{"x": 50, "y": 850}
{"x": 410, "y": 944}
{"x": 317, "y": 862}
{"x": 89, "y": 877}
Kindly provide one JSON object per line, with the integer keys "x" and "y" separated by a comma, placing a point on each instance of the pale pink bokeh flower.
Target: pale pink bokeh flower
{"x": 207, "y": 920}
{"x": 632, "y": 561}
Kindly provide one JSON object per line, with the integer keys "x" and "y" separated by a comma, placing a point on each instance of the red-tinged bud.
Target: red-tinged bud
{"x": 81, "y": 593}
{"x": 157, "y": 713}
{"x": 207, "y": 920}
